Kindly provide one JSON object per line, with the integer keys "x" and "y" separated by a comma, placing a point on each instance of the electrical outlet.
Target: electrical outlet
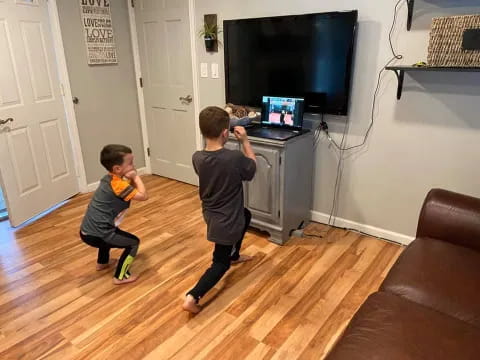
{"x": 204, "y": 70}
{"x": 215, "y": 71}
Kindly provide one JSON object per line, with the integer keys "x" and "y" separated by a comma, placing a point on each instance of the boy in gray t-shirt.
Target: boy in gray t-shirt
{"x": 107, "y": 207}
{"x": 221, "y": 173}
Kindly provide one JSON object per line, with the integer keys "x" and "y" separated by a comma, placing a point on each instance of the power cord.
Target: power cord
{"x": 324, "y": 126}
{"x": 396, "y": 56}
{"x": 338, "y": 178}
{"x": 318, "y": 131}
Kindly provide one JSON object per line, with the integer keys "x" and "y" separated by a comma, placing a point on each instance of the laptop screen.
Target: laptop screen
{"x": 282, "y": 112}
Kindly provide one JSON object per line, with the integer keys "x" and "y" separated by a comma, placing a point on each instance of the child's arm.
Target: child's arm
{"x": 137, "y": 182}
{"x": 141, "y": 195}
{"x": 247, "y": 163}
{"x": 241, "y": 135}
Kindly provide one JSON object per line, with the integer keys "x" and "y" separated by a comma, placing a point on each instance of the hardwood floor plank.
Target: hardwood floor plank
{"x": 17, "y": 320}
{"x": 188, "y": 341}
{"x": 60, "y": 352}
{"x": 315, "y": 294}
{"x": 261, "y": 352}
{"x": 299, "y": 288}
{"x": 237, "y": 345}
{"x": 278, "y": 316}
{"x": 320, "y": 311}
{"x": 332, "y": 328}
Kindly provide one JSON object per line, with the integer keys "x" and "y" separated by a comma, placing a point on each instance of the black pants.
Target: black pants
{"x": 120, "y": 240}
{"x": 222, "y": 257}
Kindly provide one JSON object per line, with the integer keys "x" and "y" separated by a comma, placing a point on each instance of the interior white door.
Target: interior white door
{"x": 36, "y": 162}
{"x": 164, "y": 40}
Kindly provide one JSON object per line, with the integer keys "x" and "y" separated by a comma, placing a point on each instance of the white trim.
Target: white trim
{"x": 138, "y": 75}
{"x": 93, "y": 186}
{"x": 67, "y": 94}
{"x": 367, "y": 229}
{"x": 195, "y": 77}
{"x": 143, "y": 171}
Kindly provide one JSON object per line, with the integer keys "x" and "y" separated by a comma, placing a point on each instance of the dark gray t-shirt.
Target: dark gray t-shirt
{"x": 221, "y": 174}
{"x": 110, "y": 200}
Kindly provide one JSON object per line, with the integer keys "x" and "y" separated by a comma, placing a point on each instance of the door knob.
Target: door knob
{"x": 188, "y": 99}
{"x": 6, "y": 121}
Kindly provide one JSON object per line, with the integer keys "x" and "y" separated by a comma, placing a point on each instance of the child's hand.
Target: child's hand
{"x": 240, "y": 133}
{"x": 131, "y": 174}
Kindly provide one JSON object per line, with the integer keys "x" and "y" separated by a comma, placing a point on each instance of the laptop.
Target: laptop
{"x": 282, "y": 118}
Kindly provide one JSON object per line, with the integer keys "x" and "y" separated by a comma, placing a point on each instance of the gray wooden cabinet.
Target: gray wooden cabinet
{"x": 280, "y": 195}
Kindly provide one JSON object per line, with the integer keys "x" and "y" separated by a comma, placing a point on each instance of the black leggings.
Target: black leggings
{"x": 120, "y": 240}
{"x": 223, "y": 255}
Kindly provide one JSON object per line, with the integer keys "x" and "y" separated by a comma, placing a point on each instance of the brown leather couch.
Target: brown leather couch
{"x": 428, "y": 307}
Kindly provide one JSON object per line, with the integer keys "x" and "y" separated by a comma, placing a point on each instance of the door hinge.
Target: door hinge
{"x": 278, "y": 213}
{"x": 133, "y": 3}
{"x": 280, "y": 160}
{"x": 141, "y": 82}
{"x": 148, "y": 151}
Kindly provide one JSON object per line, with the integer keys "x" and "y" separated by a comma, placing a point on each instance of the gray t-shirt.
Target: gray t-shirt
{"x": 111, "y": 198}
{"x": 221, "y": 174}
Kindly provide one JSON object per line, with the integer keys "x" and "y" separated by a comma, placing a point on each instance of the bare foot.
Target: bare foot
{"x": 101, "y": 267}
{"x": 191, "y": 305}
{"x": 131, "y": 279}
{"x": 242, "y": 259}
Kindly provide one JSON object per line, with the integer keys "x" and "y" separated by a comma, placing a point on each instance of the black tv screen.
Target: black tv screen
{"x": 308, "y": 56}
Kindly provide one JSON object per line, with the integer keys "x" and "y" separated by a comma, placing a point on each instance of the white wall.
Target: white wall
{"x": 431, "y": 138}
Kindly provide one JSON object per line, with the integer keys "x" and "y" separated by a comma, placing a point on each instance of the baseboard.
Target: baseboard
{"x": 143, "y": 171}
{"x": 93, "y": 186}
{"x": 367, "y": 229}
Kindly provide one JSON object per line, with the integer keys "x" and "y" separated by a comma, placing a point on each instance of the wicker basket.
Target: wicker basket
{"x": 446, "y": 38}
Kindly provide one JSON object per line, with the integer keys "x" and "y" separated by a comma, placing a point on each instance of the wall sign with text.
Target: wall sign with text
{"x": 99, "y": 38}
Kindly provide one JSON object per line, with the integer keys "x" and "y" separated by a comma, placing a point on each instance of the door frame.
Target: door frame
{"x": 195, "y": 75}
{"x": 66, "y": 91}
{"x": 138, "y": 75}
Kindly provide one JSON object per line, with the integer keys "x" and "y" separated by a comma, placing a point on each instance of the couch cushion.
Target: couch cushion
{"x": 440, "y": 275}
{"x": 389, "y": 327}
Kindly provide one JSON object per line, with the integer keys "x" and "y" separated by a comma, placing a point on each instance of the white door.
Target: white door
{"x": 164, "y": 40}
{"x": 36, "y": 163}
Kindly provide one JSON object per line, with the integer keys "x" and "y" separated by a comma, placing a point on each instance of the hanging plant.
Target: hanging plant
{"x": 210, "y": 32}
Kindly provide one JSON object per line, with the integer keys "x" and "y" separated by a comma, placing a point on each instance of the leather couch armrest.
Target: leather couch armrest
{"x": 451, "y": 217}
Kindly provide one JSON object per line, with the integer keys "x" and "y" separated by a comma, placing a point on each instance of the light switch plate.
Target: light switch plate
{"x": 215, "y": 71}
{"x": 204, "y": 70}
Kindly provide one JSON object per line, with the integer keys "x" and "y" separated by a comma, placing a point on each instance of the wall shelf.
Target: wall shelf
{"x": 400, "y": 71}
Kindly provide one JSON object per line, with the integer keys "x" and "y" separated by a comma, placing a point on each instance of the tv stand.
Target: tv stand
{"x": 280, "y": 195}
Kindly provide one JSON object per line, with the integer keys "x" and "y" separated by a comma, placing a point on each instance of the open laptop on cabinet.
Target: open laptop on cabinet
{"x": 282, "y": 118}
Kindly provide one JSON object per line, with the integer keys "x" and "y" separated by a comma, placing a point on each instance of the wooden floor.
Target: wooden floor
{"x": 291, "y": 302}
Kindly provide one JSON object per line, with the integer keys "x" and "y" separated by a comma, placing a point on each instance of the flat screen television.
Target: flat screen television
{"x": 308, "y": 56}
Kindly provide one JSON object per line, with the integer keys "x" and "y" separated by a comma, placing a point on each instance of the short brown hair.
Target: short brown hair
{"x": 213, "y": 120}
{"x": 113, "y": 154}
